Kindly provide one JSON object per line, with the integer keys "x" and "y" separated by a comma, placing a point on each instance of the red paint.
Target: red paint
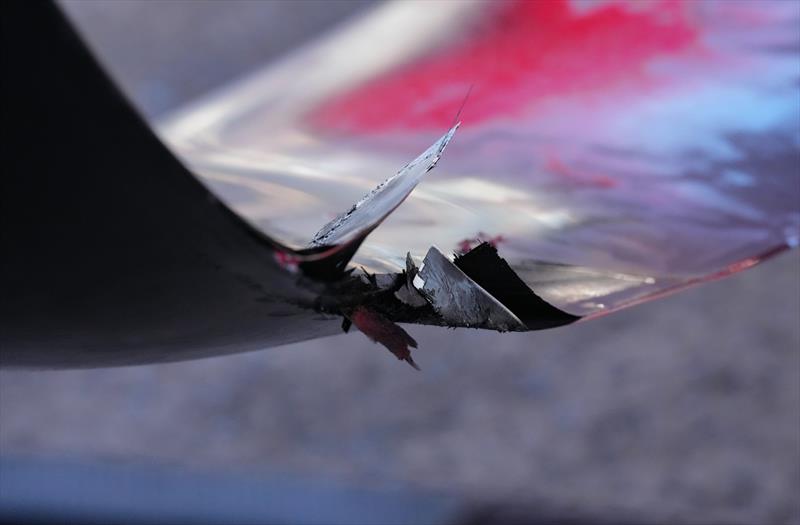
{"x": 287, "y": 261}
{"x": 469, "y": 244}
{"x": 526, "y": 52}
{"x": 381, "y": 330}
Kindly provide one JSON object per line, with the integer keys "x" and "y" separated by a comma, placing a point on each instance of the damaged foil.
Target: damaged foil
{"x": 596, "y": 169}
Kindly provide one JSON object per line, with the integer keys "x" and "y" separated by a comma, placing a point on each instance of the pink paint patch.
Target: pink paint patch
{"x": 526, "y": 52}
{"x": 287, "y": 261}
{"x": 468, "y": 244}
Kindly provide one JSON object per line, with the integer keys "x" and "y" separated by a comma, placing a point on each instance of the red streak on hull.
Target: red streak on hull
{"x": 524, "y": 53}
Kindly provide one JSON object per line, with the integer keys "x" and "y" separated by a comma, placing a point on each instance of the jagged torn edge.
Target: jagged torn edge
{"x": 459, "y": 300}
{"x": 332, "y": 247}
{"x": 349, "y": 229}
{"x": 366, "y": 214}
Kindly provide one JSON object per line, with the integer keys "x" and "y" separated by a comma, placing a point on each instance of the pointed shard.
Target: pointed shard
{"x": 492, "y": 273}
{"x": 459, "y": 300}
{"x": 408, "y": 294}
{"x": 411, "y": 268}
{"x": 381, "y": 330}
{"x": 374, "y": 207}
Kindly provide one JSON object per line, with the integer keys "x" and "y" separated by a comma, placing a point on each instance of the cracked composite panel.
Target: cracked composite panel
{"x": 436, "y": 292}
{"x": 611, "y": 152}
{"x": 606, "y": 171}
{"x": 595, "y": 169}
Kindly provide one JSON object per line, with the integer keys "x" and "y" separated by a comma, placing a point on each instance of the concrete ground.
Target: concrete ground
{"x": 685, "y": 410}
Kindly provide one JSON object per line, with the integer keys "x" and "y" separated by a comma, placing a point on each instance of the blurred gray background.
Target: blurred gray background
{"x": 682, "y": 410}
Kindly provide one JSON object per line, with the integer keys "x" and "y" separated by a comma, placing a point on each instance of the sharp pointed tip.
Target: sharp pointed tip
{"x": 414, "y": 365}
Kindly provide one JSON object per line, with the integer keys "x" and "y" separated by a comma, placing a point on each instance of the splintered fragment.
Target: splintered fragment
{"x": 492, "y": 273}
{"x": 459, "y": 300}
{"x": 408, "y": 294}
{"x": 381, "y": 330}
{"x": 365, "y": 215}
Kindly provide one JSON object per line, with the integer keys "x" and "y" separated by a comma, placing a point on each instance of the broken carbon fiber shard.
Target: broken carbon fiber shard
{"x": 407, "y": 294}
{"x": 459, "y": 300}
{"x": 374, "y": 207}
{"x": 349, "y": 229}
{"x": 484, "y": 266}
{"x": 441, "y": 293}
